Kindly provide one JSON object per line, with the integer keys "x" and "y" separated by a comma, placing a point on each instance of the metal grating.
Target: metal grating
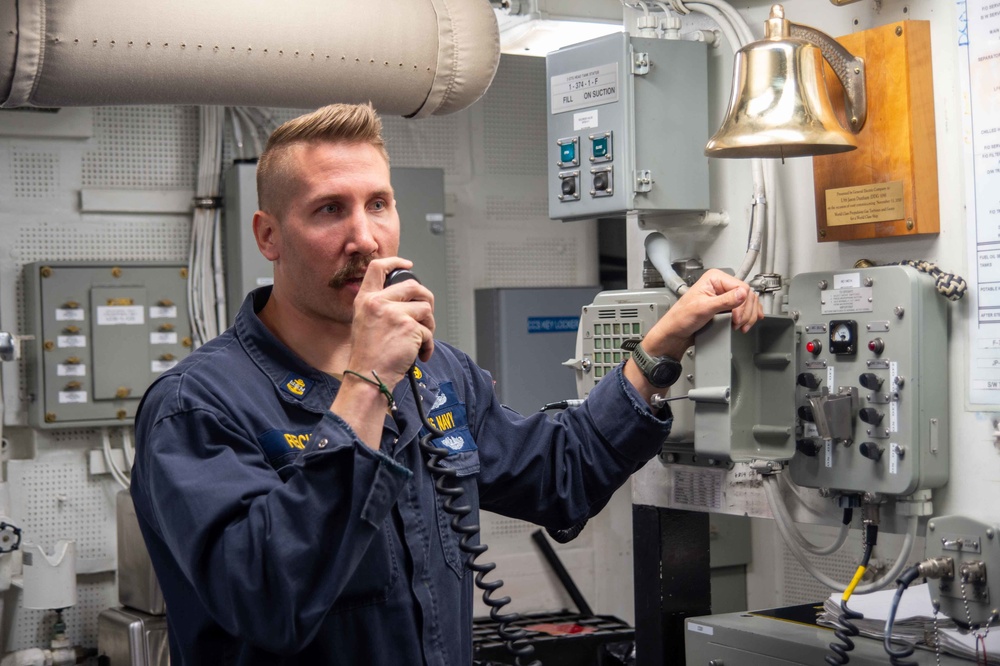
{"x": 34, "y": 174}
{"x": 142, "y": 148}
{"x": 514, "y": 110}
{"x": 535, "y": 262}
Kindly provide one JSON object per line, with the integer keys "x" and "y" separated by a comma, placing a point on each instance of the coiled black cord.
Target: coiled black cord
{"x": 512, "y": 636}
{"x": 847, "y": 630}
{"x": 897, "y": 655}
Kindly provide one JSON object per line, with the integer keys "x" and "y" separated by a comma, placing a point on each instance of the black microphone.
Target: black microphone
{"x": 398, "y": 275}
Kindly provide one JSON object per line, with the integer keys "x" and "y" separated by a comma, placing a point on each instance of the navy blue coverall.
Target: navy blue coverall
{"x": 278, "y": 537}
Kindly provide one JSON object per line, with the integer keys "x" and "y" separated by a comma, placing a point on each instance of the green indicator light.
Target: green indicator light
{"x": 600, "y": 147}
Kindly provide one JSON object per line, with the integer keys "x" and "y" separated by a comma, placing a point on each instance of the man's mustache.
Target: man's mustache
{"x": 356, "y": 267}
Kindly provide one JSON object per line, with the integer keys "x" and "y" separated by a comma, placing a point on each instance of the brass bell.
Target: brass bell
{"x": 779, "y": 105}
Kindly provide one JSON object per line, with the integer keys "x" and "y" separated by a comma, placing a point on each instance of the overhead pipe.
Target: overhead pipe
{"x": 408, "y": 57}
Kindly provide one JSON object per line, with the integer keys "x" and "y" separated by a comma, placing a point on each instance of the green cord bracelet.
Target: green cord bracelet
{"x": 383, "y": 389}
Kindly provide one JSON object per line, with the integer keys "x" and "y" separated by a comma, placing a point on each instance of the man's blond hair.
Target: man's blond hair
{"x": 336, "y": 123}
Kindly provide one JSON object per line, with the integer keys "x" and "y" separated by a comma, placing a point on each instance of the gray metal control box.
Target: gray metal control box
{"x": 103, "y": 333}
{"x": 627, "y": 127}
{"x": 872, "y": 383}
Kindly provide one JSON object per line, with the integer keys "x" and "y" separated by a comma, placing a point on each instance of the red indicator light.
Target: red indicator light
{"x": 814, "y": 347}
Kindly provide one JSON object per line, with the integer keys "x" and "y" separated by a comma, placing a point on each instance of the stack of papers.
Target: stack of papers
{"x": 914, "y": 622}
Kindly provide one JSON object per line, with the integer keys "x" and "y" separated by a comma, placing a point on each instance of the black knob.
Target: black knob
{"x": 806, "y": 447}
{"x": 601, "y": 181}
{"x": 808, "y": 379}
{"x": 806, "y": 413}
{"x": 870, "y": 381}
{"x": 871, "y": 450}
{"x": 870, "y": 415}
{"x": 569, "y": 186}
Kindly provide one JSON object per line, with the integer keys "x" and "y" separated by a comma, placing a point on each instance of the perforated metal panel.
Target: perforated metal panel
{"x": 143, "y": 147}
{"x": 512, "y": 209}
{"x": 55, "y": 499}
{"x": 34, "y": 174}
{"x": 534, "y": 262}
{"x": 515, "y": 113}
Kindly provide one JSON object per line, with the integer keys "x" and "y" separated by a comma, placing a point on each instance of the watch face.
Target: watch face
{"x": 664, "y": 373}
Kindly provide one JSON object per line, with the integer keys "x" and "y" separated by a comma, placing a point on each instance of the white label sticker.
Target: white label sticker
{"x": 120, "y": 315}
{"x": 828, "y": 453}
{"x": 697, "y": 487}
{"x": 847, "y": 281}
{"x": 69, "y": 314}
{"x": 829, "y": 379}
{"x": 894, "y": 459}
{"x": 838, "y": 301}
{"x": 162, "y": 312}
{"x": 158, "y": 338}
{"x": 893, "y": 404}
{"x": 810, "y": 430}
{"x": 264, "y": 281}
{"x": 71, "y": 370}
{"x": 161, "y": 366}
{"x": 585, "y": 120}
{"x": 71, "y": 341}
{"x": 584, "y": 87}
{"x": 701, "y": 629}
{"x": 72, "y": 397}
{"x": 434, "y": 217}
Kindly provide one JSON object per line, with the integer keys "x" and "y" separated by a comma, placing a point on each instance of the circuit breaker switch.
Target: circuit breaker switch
{"x": 71, "y": 305}
{"x": 72, "y": 330}
{"x": 72, "y": 360}
{"x": 808, "y": 380}
{"x": 123, "y": 392}
{"x": 164, "y": 303}
{"x": 876, "y": 346}
{"x": 165, "y": 328}
{"x": 167, "y": 357}
{"x": 870, "y": 381}
{"x": 73, "y": 386}
{"x": 870, "y": 415}
{"x": 871, "y": 450}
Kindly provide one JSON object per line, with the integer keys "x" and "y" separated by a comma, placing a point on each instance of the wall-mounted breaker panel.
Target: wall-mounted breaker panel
{"x": 627, "y": 127}
{"x": 103, "y": 333}
{"x": 872, "y": 381}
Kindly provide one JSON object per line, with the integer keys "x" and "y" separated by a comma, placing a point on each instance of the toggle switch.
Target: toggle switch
{"x": 871, "y": 450}
{"x": 808, "y": 380}
{"x": 806, "y": 414}
{"x": 870, "y": 381}
{"x": 806, "y": 447}
{"x": 870, "y": 415}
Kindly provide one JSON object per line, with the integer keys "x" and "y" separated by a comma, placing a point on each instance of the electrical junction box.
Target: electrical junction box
{"x": 102, "y": 334}
{"x": 627, "y": 127}
{"x": 872, "y": 382}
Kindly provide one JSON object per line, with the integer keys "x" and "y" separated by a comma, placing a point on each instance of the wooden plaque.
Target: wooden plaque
{"x": 857, "y": 193}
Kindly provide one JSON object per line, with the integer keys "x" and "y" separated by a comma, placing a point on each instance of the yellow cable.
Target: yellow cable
{"x": 854, "y": 582}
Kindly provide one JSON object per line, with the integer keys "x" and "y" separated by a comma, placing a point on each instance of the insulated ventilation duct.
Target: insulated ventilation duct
{"x": 408, "y": 57}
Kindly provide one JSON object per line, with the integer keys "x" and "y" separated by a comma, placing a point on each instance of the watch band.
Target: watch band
{"x": 660, "y": 371}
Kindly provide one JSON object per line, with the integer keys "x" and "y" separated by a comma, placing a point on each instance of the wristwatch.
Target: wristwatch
{"x": 660, "y": 371}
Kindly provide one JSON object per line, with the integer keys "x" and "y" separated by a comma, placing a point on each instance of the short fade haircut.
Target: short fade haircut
{"x": 336, "y": 123}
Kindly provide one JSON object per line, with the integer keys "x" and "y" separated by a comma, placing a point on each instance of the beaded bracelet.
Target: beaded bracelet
{"x": 383, "y": 389}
